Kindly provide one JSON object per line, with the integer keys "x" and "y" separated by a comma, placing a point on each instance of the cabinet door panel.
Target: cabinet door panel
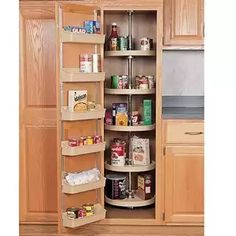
{"x": 183, "y": 22}
{"x": 38, "y": 179}
{"x": 184, "y": 184}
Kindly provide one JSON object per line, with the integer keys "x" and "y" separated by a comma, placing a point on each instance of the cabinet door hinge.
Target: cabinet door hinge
{"x": 164, "y": 151}
{"x": 163, "y": 216}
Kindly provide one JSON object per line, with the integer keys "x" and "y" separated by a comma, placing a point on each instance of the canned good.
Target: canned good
{"x": 118, "y": 152}
{"x": 116, "y": 185}
{"x": 135, "y": 117}
{"x": 81, "y": 212}
{"x": 145, "y": 44}
{"x": 80, "y": 142}
{"x": 86, "y": 63}
{"x": 89, "y": 209}
{"x": 97, "y": 139}
{"x": 96, "y": 62}
{"x": 137, "y": 81}
{"x": 89, "y": 140}
{"x": 151, "y": 81}
{"x": 116, "y": 82}
{"x": 143, "y": 84}
{"x": 97, "y": 28}
{"x": 125, "y": 82}
{"x": 83, "y": 140}
{"x": 72, "y": 212}
{"x": 73, "y": 142}
{"x": 123, "y": 43}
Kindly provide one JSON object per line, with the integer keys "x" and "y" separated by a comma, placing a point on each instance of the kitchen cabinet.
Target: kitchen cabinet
{"x": 38, "y": 182}
{"x": 183, "y": 23}
{"x": 184, "y": 172}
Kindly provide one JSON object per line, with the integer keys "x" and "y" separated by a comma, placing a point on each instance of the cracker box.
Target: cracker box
{"x": 140, "y": 151}
{"x": 145, "y": 186}
{"x": 77, "y": 100}
{"x": 147, "y": 112}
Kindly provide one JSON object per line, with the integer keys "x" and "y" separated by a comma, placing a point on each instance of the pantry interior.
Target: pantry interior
{"x": 136, "y": 22}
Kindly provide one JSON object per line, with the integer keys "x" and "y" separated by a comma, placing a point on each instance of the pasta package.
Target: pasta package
{"x": 140, "y": 151}
{"x": 77, "y": 100}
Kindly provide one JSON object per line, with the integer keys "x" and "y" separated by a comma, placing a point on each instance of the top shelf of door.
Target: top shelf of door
{"x": 70, "y": 37}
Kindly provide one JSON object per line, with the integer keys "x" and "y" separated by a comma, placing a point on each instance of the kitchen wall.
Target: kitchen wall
{"x": 183, "y": 73}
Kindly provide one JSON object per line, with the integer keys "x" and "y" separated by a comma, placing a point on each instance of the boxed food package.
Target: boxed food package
{"x": 77, "y": 100}
{"x": 140, "y": 151}
{"x": 145, "y": 186}
{"x": 122, "y": 119}
{"x": 147, "y": 112}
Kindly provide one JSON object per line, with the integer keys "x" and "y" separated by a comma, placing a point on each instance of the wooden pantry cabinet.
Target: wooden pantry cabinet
{"x": 183, "y": 23}
{"x": 38, "y": 182}
{"x": 184, "y": 171}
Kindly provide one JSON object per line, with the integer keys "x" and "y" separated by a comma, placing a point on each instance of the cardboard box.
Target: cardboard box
{"x": 147, "y": 112}
{"x": 77, "y": 100}
{"x": 145, "y": 186}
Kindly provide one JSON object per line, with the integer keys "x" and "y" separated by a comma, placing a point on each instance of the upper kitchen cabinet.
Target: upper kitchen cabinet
{"x": 183, "y": 23}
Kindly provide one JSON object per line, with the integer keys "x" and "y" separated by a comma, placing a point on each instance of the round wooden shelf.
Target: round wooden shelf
{"x": 130, "y": 53}
{"x": 130, "y": 128}
{"x": 131, "y": 168}
{"x": 130, "y": 202}
{"x": 129, "y": 91}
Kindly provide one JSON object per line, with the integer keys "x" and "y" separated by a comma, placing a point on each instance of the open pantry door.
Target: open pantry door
{"x": 80, "y": 113}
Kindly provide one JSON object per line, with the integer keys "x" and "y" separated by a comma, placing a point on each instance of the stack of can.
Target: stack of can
{"x": 144, "y": 82}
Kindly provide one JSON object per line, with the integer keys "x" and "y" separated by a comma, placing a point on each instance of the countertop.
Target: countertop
{"x": 183, "y": 113}
{"x": 183, "y": 107}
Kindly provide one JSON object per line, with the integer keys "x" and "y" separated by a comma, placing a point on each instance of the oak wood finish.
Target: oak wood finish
{"x": 183, "y": 22}
{"x": 38, "y": 184}
{"x": 112, "y": 230}
{"x": 184, "y": 184}
{"x": 185, "y": 132}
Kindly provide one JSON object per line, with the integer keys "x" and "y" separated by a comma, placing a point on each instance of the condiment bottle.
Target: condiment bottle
{"x": 113, "y": 38}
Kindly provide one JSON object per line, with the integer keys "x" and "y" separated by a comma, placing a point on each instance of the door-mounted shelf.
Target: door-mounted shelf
{"x": 129, "y": 91}
{"x": 126, "y": 53}
{"x": 80, "y": 150}
{"x": 73, "y": 189}
{"x": 67, "y": 115}
{"x": 99, "y": 214}
{"x": 131, "y": 168}
{"x": 69, "y": 37}
{"x": 74, "y": 75}
{"x": 130, "y": 202}
{"x": 135, "y": 128}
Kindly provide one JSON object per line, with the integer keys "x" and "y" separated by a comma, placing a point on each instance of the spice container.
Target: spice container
{"x": 72, "y": 212}
{"x": 89, "y": 209}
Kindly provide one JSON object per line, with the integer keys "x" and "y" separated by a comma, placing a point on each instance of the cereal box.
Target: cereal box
{"x": 77, "y": 100}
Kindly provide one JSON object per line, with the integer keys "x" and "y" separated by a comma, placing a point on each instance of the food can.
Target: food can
{"x": 89, "y": 26}
{"x": 86, "y": 63}
{"x": 125, "y": 82}
{"x": 96, "y": 62}
{"x": 73, "y": 142}
{"x": 83, "y": 140}
{"x": 116, "y": 186}
{"x": 89, "y": 140}
{"x": 97, "y": 139}
{"x": 123, "y": 43}
{"x": 145, "y": 44}
{"x": 143, "y": 83}
{"x": 80, "y": 142}
{"x": 72, "y": 212}
{"x": 118, "y": 153}
{"x": 89, "y": 209}
{"x": 135, "y": 117}
{"x": 116, "y": 82}
{"x": 138, "y": 78}
{"x": 81, "y": 212}
{"x": 96, "y": 27}
{"x": 151, "y": 81}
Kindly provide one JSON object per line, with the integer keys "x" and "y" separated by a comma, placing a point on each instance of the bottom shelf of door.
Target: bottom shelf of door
{"x": 130, "y": 202}
{"x": 99, "y": 214}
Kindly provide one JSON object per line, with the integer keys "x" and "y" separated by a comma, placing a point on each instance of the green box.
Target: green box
{"x": 147, "y": 112}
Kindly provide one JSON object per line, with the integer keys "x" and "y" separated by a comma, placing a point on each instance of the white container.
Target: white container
{"x": 96, "y": 63}
{"x": 145, "y": 44}
{"x": 86, "y": 63}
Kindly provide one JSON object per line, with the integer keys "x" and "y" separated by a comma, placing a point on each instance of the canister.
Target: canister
{"x": 86, "y": 63}
{"x": 116, "y": 186}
